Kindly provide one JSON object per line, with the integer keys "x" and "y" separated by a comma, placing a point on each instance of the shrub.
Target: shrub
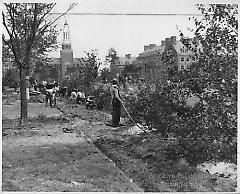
{"x": 103, "y": 98}
{"x": 200, "y": 137}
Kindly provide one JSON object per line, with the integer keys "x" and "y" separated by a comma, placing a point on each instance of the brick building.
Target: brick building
{"x": 150, "y": 60}
{"x": 171, "y": 54}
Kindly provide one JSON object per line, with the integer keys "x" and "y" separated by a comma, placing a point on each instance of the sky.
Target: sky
{"x": 126, "y": 34}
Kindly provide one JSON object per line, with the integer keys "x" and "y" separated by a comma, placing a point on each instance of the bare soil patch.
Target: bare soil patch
{"x": 41, "y": 157}
{"x": 142, "y": 157}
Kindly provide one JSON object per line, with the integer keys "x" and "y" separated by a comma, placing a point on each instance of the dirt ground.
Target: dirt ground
{"x": 141, "y": 157}
{"x": 44, "y": 158}
{"x": 41, "y": 157}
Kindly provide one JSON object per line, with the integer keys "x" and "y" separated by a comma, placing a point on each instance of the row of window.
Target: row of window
{"x": 183, "y": 50}
{"x": 185, "y": 67}
{"x": 182, "y": 59}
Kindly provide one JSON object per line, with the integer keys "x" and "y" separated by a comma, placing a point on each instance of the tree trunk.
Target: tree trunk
{"x": 23, "y": 86}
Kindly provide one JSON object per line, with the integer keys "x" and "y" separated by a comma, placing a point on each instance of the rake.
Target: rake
{"x": 140, "y": 127}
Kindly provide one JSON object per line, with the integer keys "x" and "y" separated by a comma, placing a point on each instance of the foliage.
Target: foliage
{"x": 44, "y": 70}
{"x": 90, "y": 71}
{"x": 30, "y": 35}
{"x": 103, "y": 98}
{"x": 113, "y": 59}
{"x": 112, "y": 56}
{"x": 83, "y": 77}
{"x": 6, "y": 51}
{"x": 105, "y": 76}
{"x": 215, "y": 72}
{"x": 11, "y": 78}
{"x": 206, "y": 129}
{"x": 131, "y": 70}
{"x": 75, "y": 77}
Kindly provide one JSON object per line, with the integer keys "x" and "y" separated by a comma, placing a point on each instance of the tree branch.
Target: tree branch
{"x": 50, "y": 9}
{"x": 14, "y": 53}
{"x": 50, "y": 23}
{"x": 71, "y": 7}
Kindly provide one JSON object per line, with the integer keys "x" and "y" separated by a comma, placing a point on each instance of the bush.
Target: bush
{"x": 103, "y": 98}
{"x": 200, "y": 137}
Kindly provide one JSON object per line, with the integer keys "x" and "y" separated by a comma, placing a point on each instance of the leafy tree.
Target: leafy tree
{"x": 214, "y": 76}
{"x": 31, "y": 34}
{"x": 76, "y": 77}
{"x": 131, "y": 70}
{"x": 43, "y": 70}
{"x": 105, "y": 75}
{"x": 6, "y": 51}
{"x": 90, "y": 71}
{"x": 208, "y": 129}
{"x": 11, "y": 78}
{"x": 113, "y": 59}
{"x": 83, "y": 76}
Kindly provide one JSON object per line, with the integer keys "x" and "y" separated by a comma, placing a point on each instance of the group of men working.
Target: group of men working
{"x": 52, "y": 90}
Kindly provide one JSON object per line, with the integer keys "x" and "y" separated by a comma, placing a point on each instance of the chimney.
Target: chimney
{"x": 162, "y": 43}
{"x": 173, "y": 40}
{"x": 128, "y": 56}
{"x": 152, "y": 46}
{"x": 146, "y": 48}
{"x": 167, "y": 40}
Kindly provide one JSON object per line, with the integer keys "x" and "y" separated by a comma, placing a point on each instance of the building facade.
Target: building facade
{"x": 150, "y": 60}
{"x": 126, "y": 60}
{"x": 170, "y": 54}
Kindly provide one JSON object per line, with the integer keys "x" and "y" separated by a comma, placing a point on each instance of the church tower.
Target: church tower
{"x": 66, "y": 54}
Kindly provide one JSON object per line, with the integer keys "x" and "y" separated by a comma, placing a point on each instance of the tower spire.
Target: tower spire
{"x": 66, "y": 44}
{"x": 66, "y": 54}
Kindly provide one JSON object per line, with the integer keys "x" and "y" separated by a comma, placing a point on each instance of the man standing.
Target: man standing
{"x": 51, "y": 90}
{"x": 49, "y": 99}
{"x": 116, "y": 103}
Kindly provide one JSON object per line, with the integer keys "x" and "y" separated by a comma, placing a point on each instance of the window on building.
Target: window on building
{"x": 182, "y": 67}
{"x": 184, "y": 50}
{"x": 182, "y": 59}
{"x": 187, "y": 59}
{"x": 193, "y": 59}
{"x": 188, "y": 67}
